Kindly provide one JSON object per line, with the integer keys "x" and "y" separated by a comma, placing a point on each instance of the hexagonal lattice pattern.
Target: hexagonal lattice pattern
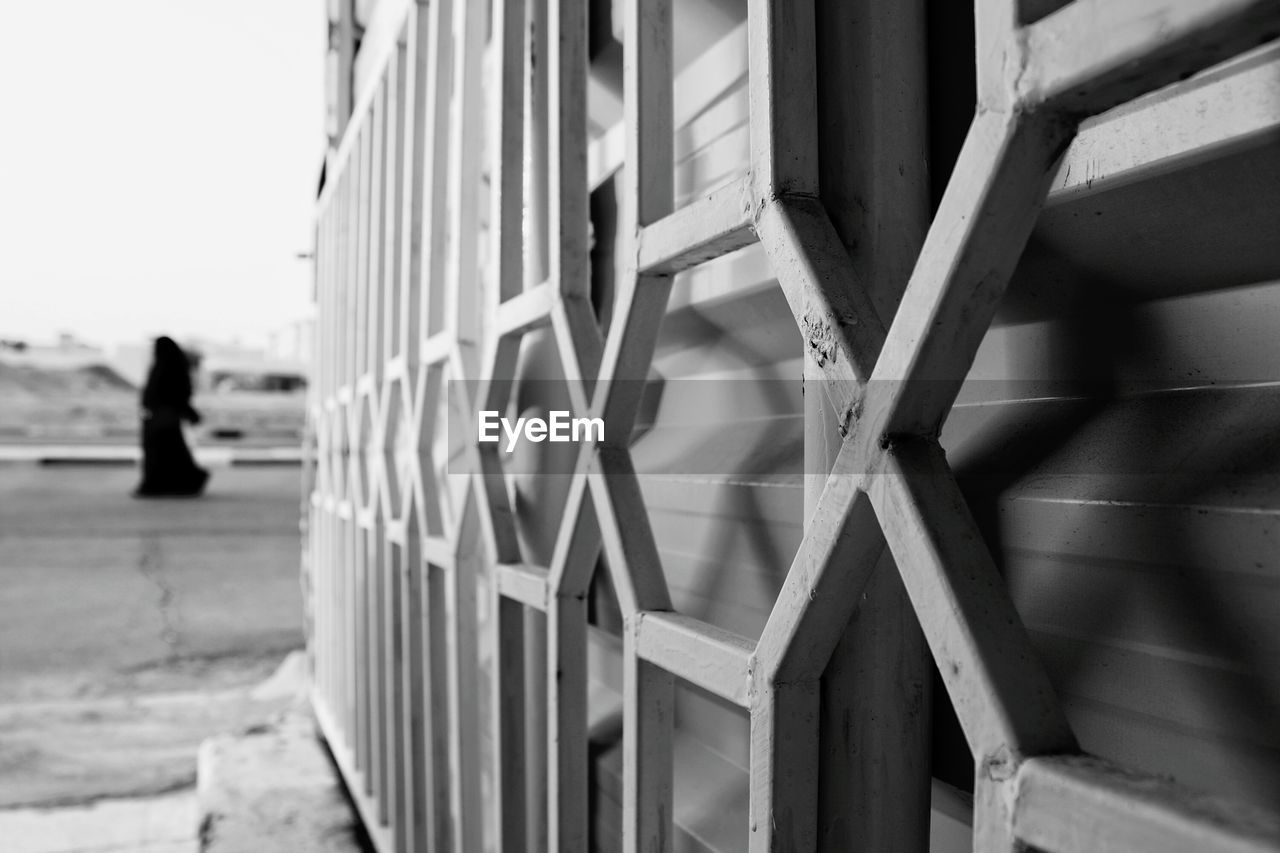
{"x": 386, "y": 451}
{"x": 399, "y": 444}
{"x": 366, "y": 450}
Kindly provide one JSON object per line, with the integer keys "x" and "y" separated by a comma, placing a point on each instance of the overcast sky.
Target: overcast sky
{"x": 158, "y": 164}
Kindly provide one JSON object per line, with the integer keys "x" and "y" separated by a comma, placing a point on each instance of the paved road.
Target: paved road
{"x": 100, "y": 593}
{"x": 131, "y": 630}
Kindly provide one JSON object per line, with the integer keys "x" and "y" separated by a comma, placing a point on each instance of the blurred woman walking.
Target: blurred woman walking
{"x": 168, "y": 469}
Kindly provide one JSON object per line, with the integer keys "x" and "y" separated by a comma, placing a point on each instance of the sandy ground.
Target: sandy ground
{"x": 131, "y": 630}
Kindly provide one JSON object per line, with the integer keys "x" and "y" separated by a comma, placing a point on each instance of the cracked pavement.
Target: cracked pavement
{"x": 130, "y": 630}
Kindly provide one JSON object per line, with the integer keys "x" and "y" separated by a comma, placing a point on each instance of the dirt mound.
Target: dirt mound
{"x": 30, "y": 381}
{"x": 102, "y": 376}
{"x": 95, "y": 403}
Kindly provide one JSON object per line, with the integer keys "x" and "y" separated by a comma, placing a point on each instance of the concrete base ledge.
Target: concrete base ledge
{"x": 273, "y": 789}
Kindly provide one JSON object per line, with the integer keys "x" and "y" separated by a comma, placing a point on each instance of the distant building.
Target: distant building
{"x": 220, "y": 374}
{"x": 67, "y": 353}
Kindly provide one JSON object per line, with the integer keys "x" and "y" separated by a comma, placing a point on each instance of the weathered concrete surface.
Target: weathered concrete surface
{"x": 66, "y": 752}
{"x": 273, "y": 789}
{"x": 165, "y": 824}
{"x": 132, "y": 630}
{"x": 168, "y": 823}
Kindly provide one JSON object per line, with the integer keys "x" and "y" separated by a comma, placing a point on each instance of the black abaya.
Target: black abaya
{"x": 168, "y": 468}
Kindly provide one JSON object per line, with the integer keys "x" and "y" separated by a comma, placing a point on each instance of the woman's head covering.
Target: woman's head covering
{"x": 167, "y": 351}
{"x": 170, "y": 378}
